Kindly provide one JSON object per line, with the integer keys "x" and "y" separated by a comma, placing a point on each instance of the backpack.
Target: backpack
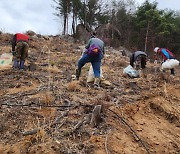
{"x": 93, "y": 50}
{"x": 167, "y": 54}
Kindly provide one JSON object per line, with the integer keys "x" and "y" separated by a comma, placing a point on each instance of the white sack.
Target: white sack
{"x": 6, "y": 59}
{"x": 170, "y": 63}
{"x": 130, "y": 71}
{"x": 91, "y": 74}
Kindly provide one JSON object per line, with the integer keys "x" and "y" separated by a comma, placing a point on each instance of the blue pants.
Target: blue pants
{"x": 94, "y": 60}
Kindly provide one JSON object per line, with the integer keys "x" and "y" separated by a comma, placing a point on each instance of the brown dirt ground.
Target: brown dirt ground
{"x": 150, "y": 105}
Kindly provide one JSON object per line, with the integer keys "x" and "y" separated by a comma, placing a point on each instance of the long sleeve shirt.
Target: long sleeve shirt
{"x": 96, "y": 42}
{"x": 18, "y": 37}
{"x": 166, "y": 54}
{"x": 134, "y": 56}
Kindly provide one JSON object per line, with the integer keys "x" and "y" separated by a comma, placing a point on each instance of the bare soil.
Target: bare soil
{"x": 41, "y": 106}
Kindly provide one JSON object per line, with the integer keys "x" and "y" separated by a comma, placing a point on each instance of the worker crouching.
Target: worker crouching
{"x": 94, "y": 53}
{"x": 20, "y": 49}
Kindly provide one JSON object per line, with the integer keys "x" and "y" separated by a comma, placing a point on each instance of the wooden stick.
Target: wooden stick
{"x": 30, "y": 132}
{"x": 106, "y": 146}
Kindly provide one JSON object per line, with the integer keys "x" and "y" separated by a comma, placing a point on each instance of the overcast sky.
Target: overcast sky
{"x": 37, "y": 15}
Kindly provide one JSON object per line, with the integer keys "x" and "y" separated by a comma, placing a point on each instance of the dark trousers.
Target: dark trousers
{"x": 21, "y": 52}
{"x": 172, "y": 71}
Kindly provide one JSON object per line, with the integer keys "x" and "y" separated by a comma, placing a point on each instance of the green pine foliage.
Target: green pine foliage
{"x": 142, "y": 28}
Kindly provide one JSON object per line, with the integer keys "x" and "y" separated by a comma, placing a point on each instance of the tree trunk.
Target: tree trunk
{"x": 73, "y": 25}
{"x": 64, "y": 31}
{"x": 67, "y": 22}
{"x": 145, "y": 47}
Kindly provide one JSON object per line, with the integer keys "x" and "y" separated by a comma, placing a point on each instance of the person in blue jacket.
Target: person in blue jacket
{"x": 166, "y": 54}
{"x": 94, "y": 53}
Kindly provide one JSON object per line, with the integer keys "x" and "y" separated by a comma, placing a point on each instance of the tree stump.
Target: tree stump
{"x": 96, "y": 116}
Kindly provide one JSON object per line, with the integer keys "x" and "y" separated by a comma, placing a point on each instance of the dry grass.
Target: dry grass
{"x": 40, "y": 136}
{"x": 73, "y": 86}
{"x": 61, "y": 60}
{"x": 47, "y": 98}
{"x": 131, "y": 102}
{"x": 53, "y": 69}
{"x": 5, "y": 49}
{"x": 47, "y": 112}
{"x": 164, "y": 76}
{"x": 21, "y": 88}
{"x": 106, "y": 68}
{"x": 122, "y": 63}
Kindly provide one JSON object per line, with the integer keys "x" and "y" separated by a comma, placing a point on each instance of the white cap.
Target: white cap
{"x": 156, "y": 49}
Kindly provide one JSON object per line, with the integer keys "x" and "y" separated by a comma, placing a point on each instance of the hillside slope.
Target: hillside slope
{"x": 43, "y": 111}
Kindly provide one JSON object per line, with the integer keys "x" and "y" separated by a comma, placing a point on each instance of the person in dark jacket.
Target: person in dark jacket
{"x": 93, "y": 53}
{"x": 166, "y": 54}
{"x": 138, "y": 60}
{"x": 20, "y": 50}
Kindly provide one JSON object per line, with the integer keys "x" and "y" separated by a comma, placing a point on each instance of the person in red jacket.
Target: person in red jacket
{"x": 166, "y": 54}
{"x": 20, "y": 50}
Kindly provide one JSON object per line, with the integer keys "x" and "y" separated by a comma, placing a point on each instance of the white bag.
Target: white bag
{"x": 91, "y": 74}
{"x": 169, "y": 64}
{"x": 130, "y": 71}
{"x": 6, "y": 59}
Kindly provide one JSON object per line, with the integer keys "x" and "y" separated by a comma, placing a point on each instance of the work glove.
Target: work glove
{"x": 155, "y": 62}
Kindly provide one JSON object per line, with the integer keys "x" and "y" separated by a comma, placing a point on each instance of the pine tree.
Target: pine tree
{"x": 63, "y": 7}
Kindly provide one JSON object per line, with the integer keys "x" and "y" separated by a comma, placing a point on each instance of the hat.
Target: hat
{"x": 156, "y": 49}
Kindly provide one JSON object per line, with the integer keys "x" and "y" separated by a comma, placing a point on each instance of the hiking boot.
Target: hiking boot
{"x": 172, "y": 72}
{"x": 96, "y": 82}
{"x": 15, "y": 64}
{"x": 78, "y": 73}
{"x": 22, "y": 64}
